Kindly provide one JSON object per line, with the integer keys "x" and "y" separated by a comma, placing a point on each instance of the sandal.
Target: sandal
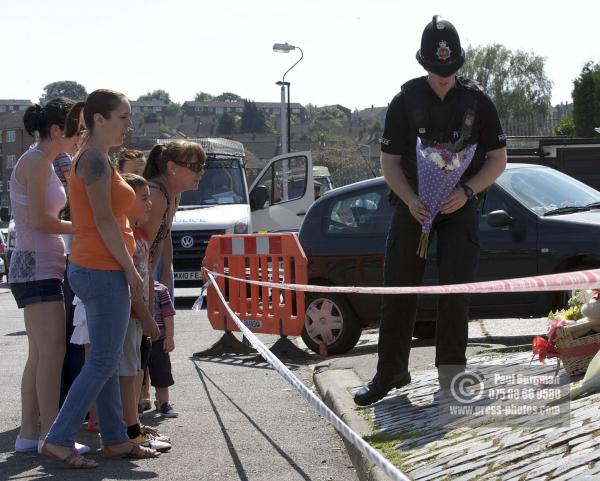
{"x": 145, "y": 405}
{"x": 73, "y": 459}
{"x": 136, "y": 452}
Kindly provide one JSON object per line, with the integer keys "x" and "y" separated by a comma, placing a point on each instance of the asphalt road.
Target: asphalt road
{"x": 238, "y": 420}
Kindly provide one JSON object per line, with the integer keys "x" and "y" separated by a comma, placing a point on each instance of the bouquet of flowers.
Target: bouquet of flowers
{"x": 439, "y": 167}
{"x": 572, "y": 337}
{"x": 573, "y": 310}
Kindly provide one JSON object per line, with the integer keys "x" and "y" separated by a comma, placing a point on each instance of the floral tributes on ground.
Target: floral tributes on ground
{"x": 573, "y": 335}
{"x": 440, "y": 167}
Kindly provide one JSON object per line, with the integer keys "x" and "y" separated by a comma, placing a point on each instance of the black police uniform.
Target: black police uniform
{"x": 418, "y": 111}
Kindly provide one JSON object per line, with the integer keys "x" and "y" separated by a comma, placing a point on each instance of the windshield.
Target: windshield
{"x": 222, "y": 183}
{"x": 543, "y": 190}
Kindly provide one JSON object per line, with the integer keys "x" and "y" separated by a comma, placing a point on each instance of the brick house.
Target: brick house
{"x": 14, "y": 140}
{"x": 13, "y": 105}
{"x": 146, "y": 106}
{"x": 212, "y": 108}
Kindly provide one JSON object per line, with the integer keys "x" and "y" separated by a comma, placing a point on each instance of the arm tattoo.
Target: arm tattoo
{"x": 93, "y": 168}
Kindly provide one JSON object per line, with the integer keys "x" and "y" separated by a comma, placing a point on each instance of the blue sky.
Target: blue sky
{"x": 356, "y": 53}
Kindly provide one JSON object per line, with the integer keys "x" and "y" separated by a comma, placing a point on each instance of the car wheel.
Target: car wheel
{"x": 424, "y": 330}
{"x": 329, "y": 319}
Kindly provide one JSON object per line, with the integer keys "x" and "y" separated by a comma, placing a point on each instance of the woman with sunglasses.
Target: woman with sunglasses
{"x": 38, "y": 263}
{"x": 171, "y": 169}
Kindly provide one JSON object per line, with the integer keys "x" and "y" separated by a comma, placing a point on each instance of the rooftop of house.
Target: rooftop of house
{"x": 223, "y": 104}
{"x": 15, "y": 102}
{"x": 148, "y": 103}
{"x": 372, "y": 112}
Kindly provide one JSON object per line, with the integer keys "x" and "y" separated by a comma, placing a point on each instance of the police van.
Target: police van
{"x": 277, "y": 200}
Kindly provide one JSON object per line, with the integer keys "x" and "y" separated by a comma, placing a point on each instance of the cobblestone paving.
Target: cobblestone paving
{"x": 549, "y": 447}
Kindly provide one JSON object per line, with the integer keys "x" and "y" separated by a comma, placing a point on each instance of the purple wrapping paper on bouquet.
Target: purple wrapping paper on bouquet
{"x": 439, "y": 171}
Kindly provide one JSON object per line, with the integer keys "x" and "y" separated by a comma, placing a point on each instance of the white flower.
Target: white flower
{"x": 583, "y": 295}
{"x": 455, "y": 161}
{"x": 437, "y": 159}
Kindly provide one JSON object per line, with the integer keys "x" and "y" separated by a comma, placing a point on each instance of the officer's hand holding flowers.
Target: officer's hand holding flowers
{"x": 455, "y": 201}
{"x": 418, "y": 210}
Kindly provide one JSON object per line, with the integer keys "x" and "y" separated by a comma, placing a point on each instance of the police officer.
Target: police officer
{"x": 439, "y": 107}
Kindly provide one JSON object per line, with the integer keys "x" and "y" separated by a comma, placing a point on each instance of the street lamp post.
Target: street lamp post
{"x": 285, "y": 107}
{"x": 284, "y": 118}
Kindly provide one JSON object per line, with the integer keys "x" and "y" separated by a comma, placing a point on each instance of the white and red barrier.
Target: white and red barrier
{"x": 553, "y": 282}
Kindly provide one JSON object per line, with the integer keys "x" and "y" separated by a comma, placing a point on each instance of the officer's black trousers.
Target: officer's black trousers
{"x": 457, "y": 260}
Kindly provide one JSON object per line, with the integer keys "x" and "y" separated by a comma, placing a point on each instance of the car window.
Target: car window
{"x": 542, "y": 190}
{"x": 493, "y": 201}
{"x": 285, "y": 180}
{"x": 364, "y": 213}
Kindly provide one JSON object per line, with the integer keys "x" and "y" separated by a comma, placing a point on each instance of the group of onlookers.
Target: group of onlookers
{"x": 100, "y": 227}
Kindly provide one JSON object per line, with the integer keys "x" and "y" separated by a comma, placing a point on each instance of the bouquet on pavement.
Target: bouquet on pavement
{"x": 440, "y": 167}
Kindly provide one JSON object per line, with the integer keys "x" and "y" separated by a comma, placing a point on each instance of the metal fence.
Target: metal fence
{"x": 531, "y": 125}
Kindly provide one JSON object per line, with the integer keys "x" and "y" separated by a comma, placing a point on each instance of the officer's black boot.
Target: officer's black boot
{"x": 378, "y": 388}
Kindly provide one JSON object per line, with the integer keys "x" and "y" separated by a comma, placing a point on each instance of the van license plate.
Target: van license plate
{"x": 187, "y": 276}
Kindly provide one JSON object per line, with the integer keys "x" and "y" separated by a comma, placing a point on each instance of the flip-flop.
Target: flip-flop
{"x": 73, "y": 459}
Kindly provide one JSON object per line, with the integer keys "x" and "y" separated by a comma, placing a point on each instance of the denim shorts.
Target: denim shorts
{"x": 34, "y": 292}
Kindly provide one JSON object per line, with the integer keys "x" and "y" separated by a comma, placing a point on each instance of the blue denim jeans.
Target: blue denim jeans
{"x": 105, "y": 295}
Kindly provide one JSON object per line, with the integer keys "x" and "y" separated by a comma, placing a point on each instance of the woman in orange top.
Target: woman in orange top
{"x": 102, "y": 275}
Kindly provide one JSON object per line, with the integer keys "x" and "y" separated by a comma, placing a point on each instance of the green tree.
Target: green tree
{"x": 311, "y": 111}
{"x": 331, "y": 113}
{"x": 226, "y": 124}
{"x": 63, "y": 88}
{"x": 203, "y": 97}
{"x": 565, "y": 126}
{"x": 156, "y": 95}
{"x": 228, "y": 97}
{"x": 515, "y": 80}
{"x": 254, "y": 120}
{"x": 586, "y": 100}
{"x": 173, "y": 109}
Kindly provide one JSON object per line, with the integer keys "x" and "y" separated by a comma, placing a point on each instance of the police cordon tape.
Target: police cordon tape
{"x": 371, "y": 453}
{"x": 589, "y": 279}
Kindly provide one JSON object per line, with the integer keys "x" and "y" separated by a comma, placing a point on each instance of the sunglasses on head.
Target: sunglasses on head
{"x": 193, "y": 166}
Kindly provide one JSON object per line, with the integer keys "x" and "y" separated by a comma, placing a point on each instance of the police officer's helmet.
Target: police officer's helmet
{"x": 440, "y": 51}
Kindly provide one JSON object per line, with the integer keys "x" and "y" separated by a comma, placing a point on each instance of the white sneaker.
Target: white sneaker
{"x": 148, "y": 441}
{"x": 24, "y": 445}
{"x": 81, "y": 448}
